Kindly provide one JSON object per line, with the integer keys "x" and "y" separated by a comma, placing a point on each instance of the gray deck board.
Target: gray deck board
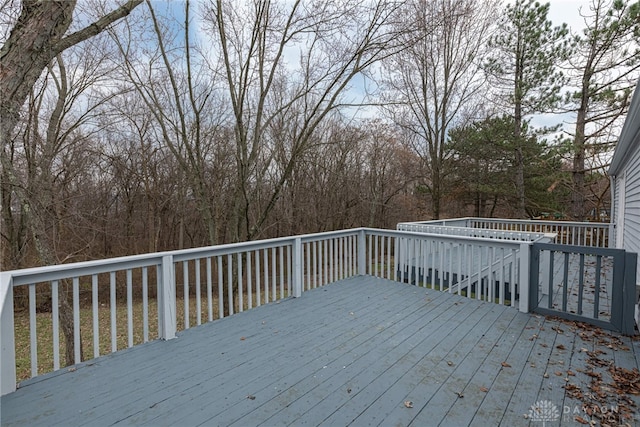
{"x": 350, "y": 353}
{"x": 349, "y": 372}
{"x": 532, "y": 378}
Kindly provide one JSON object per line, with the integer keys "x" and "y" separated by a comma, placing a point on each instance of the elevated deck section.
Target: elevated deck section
{"x": 361, "y": 351}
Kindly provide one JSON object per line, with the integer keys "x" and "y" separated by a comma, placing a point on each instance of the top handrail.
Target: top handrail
{"x": 526, "y": 236}
{"x": 81, "y": 268}
{"x": 61, "y": 271}
{"x": 593, "y": 234}
{"x": 451, "y": 221}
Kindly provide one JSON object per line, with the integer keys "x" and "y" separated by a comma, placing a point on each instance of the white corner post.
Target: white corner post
{"x": 167, "y": 299}
{"x": 523, "y": 280}
{"x": 297, "y": 268}
{"x": 362, "y": 253}
{"x": 7, "y": 339}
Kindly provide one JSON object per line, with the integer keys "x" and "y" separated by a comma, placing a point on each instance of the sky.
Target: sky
{"x": 563, "y": 11}
{"x": 568, "y": 11}
{"x": 560, "y": 11}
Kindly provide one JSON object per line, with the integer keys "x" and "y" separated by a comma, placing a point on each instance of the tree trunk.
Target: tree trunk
{"x": 67, "y": 325}
{"x": 521, "y": 203}
{"x": 30, "y": 47}
{"x": 35, "y": 40}
{"x": 578, "y": 211}
{"x": 578, "y": 170}
{"x": 47, "y": 257}
{"x": 520, "y": 190}
{"x": 435, "y": 191}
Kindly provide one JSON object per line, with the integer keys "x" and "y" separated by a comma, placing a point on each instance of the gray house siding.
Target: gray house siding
{"x": 632, "y": 206}
{"x": 625, "y": 180}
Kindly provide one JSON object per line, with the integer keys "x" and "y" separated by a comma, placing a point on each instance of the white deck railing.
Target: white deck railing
{"x": 568, "y": 233}
{"x": 121, "y": 302}
{"x": 178, "y": 288}
{"x": 480, "y": 268}
{"x": 450, "y": 230}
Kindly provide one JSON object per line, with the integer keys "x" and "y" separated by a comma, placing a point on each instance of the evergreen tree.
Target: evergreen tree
{"x": 486, "y": 156}
{"x": 523, "y": 67}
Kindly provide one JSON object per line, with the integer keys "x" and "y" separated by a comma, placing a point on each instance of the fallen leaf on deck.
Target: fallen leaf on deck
{"x": 242, "y": 338}
{"x": 626, "y": 380}
{"x": 251, "y": 397}
{"x": 408, "y": 404}
{"x": 484, "y": 389}
{"x": 581, "y": 420}
{"x": 560, "y": 347}
{"x": 558, "y": 373}
{"x": 505, "y": 365}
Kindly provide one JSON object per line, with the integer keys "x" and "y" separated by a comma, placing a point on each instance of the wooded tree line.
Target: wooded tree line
{"x": 132, "y": 127}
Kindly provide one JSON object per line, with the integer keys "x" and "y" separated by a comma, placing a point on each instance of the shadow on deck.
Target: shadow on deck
{"x": 363, "y": 351}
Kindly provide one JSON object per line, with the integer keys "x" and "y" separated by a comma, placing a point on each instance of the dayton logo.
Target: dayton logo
{"x": 544, "y": 411}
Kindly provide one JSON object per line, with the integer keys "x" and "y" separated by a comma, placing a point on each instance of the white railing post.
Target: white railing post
{"x": 167, "y": 299}
{"x": 362, "y": 253}
{"x": 7, "y": 339}
{"x": 396, "y": 258}
{"x": 523, "y": 280}
{"x": 297, "y": 268}
{"x": 545, "y": 266}
{"x": 545, "y": 262}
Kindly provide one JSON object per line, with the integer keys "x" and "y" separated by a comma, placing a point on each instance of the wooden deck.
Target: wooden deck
{"x": 363, "y": 351}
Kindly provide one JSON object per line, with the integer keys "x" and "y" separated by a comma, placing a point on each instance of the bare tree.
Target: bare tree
{"x": 44, "y": 159}
{"x": 606, "y": 68}
{"x": 279, "y": 103}
{"x": 179, "y": 91}
{"x": 437, "y": 79}
{"x": 38, "y": 36}
{"x": 389, "y": 171}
